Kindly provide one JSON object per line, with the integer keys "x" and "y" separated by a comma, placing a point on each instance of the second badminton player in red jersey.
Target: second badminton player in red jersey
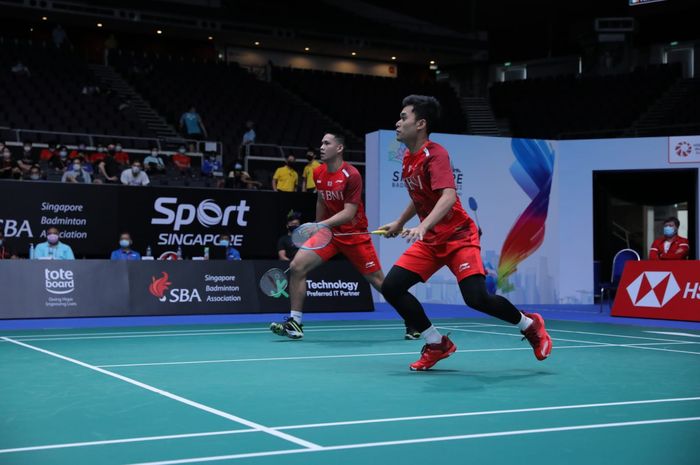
{"x": 445, "y": 236}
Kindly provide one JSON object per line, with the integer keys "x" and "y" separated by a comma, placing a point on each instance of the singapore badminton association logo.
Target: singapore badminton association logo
{"x": 683, "y": 149}
{"x": 653, "y": 289}
{"x": 159, "y": 286}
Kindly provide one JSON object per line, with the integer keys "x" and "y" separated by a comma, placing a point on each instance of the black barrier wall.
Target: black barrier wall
{"x": 86, "y": 288}
{"x": 91, "y": 217}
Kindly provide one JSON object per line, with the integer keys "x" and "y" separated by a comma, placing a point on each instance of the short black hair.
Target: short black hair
{"x": 674, "y": 220}
{"x": 425, "y": 107}
{"x": 337, "y": 136}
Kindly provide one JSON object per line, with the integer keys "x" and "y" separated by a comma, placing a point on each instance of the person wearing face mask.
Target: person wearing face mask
{"x": 182, "y": 162}
{"x": 134, "y": 176}
{"x": 286, "y": 250}
{"x": 120, "y": 155}
{"x": 5, "y": 251}
{"x": 308, "y": 184}
{"x": 670, "y": 246}
{"x": 35, "y": 174}
{"x": 76, "y": 173}
{"x": 99, "y": 155}
{"x": 48, "y": 153}
{"x": 154, "y": 163}
{"x": 224, "y": 249}
{"x": 286, "y": 178}
{"x": 59, "y": 161}
{"x": 125, "y": 252}
{"x": 53, "y": 248}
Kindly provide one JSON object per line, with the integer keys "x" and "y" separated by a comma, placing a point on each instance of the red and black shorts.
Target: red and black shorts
{"x": 462, "y": 258}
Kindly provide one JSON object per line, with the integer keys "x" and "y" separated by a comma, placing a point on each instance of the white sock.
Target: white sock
{"x": 296, "y": 315}
{"x": 524, "y": 322}
{"x": 432, "y": 335}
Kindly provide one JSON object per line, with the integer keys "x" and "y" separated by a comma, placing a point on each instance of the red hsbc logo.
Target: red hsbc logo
{"x": 659, "y": 289}
{"x": 653, "y": 289}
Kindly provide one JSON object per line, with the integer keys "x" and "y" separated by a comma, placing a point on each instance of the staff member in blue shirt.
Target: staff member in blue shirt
{"x": 53, "y": 248}
{"x": 225, "y": 251}
{"x": 125, "y": 252}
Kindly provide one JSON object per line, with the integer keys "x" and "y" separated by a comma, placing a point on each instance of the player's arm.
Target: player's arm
{"x": 343, "y": 216}
{"x": 394, "y": 228}
{"x": 448, "y": 197}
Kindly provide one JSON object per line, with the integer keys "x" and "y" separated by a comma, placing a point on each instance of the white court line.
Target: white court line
{"x": 387, "y": 354}
{"x": 223, "y": 333}
{"x": 170, "y": 395}
{"x": 156, "y": 332}
{"x": 552, "y": 330}
{"x": 638, "y": 346}
{"x": 671, "y": 333}
{"x": 450, "y": 328}
{"x": 353, "y": 422}
{"x": 422, "y": 440}
{"x": 69, "y": 445}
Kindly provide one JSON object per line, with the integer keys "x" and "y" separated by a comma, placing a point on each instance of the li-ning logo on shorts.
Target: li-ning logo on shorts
{"x": 369, "y": 264}
{"x": 464, "y": 266}
{"x": 653, "y": 289}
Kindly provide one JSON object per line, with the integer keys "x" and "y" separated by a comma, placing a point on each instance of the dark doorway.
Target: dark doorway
{"x": 629, "y": 208}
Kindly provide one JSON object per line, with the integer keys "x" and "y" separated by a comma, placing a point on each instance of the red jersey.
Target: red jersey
{"x": 122, "y": 157}
{"x": 678, "y": 249}
{"x": 425, "y": 174}
{"x": 337, "y": 189}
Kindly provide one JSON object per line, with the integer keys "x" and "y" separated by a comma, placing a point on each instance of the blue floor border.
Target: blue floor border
{"x": 581, "y": 313}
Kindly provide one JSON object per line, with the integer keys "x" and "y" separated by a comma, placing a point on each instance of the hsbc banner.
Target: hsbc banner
{"x": 91, "y": 217}
{"x": 89, "y": 288}
{"x": 665, "y": 290}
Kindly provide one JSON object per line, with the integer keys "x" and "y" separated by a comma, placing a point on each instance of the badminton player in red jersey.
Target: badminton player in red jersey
{"x": 338, "y": 206}
{"x": 446, "y": 236}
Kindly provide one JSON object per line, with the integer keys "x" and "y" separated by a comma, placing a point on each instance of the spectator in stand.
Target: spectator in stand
{"x": 125, "y": 252}
{"x": 225, "y": 249}
{"x": 49, "y": 152}
{"x": 2, "y": 146}
{"x": 28, "y": 153}
{"x": 192, "y": 124}
{"x": 100, "y": 154}
{"x": 121, "y": 156}
{"x": 134, "y": 176}
{"x": 77, "y": 174}
{"x": 20, "y": 69}
{"x": 108, "y": 169}
{"x": 35, "y": 174}
{"x": 286, "y": 250}
{"x": 239, "y": 179}
{"x": 5, "y": 251}
{"x": 670, "y": 246}
{"x": 154, "y": 163}
{"x": 26, "y": 162}
{"x": 59, "y": 161}
{"x": 210, "y": 165}
{"x": 58, "y": 35}
{"x": 248, "y": 138}
{"x": 9, "y": 168}
{"x": 286, "y": 178}
{"x": 53, "y": 248}
{"x": 78, "y": 151}
{"x": 182, "y": 162}
{"x": 308, "y": 184}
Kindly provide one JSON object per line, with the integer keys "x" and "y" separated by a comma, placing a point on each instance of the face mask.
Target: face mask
{"x": 292, "y": 228}
{"x": 181, "y": 150}
{"x": 223, "y": 243}
{"x": 7, "y": 156}
{"x": 154, "y": 153}
{"x": 669, "y": 231}
{"x": 34, "y": 177}
{"x": 76, "y": 167}
{"x": 124, "y": 244}
{"x": 52, "y": 238}
{"x": 63, "y": 154}
{"x": 135, "y": 170}
{"x": 27, "y": 148}
{"x": 119, "y": 148}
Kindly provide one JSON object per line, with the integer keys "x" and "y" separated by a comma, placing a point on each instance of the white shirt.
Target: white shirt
{"x": 128, "y": 178}
{"x": 667, "y": 245}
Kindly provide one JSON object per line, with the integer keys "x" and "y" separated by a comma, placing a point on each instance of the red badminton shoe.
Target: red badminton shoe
{"x": 433, "y": 353}
{"x": 537, "y": 336}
